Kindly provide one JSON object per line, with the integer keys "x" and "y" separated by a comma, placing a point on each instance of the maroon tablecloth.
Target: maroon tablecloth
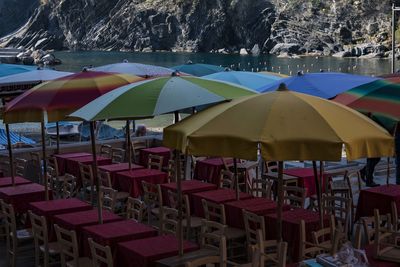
{"x": 145, "y": 252}
{"x": 110, "y": 234}
{"x": 20, "y": 195}
{"x": 306, "y": 179}
{"x": 61, "y": 158}
{"x": 291, "y": 228}
{"x": 119, "y": 167}
{"x": 257, "y": 205}
{"x": 188, "y": 188}
{"x": 6, "y": 181}
{"x": 72, "y": 165}
{"x": 55, "y": 207}
{"x": 159, "y": 151}
{"x": 219, "y": 196}
{"x": 209, "y": 170}
{"x": 131, "y": 181}
{"x": 379, "y": 198}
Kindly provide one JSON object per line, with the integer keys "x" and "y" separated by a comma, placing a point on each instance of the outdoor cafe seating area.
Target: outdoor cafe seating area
{"x": 140, "y": 211}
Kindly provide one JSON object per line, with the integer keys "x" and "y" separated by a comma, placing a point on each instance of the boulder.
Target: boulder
{"x": 255, "y": 51}
{"x": 289, "y": 48}
{"x": 243, "y": 51}
{"x": 342, "y": 54}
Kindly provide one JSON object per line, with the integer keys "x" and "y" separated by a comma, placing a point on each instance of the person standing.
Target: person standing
{"x": 367, "y": 173}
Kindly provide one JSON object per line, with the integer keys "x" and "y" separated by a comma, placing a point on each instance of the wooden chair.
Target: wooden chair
{"x": 101, "y": 255}
{"x": 339, "y": 207}
{"x": 155, "y": 162}
{"x": 69, "y": 186}
{"x": 171, "y": 171}
{"x": 36, "y": 161}
{"x": 395, "y": 217}
{"x": 20, "y": 165}
{"x": 324, "y": 237}
{"x": 227, "y": 179}
{"x": 135, "y": 209}
{"x": 117, "y": 155}
{"x": 308, "y": 250}
{"x": 108, "y": 198}
{"x": 194, "y": 161}
{"x": 137, "y": 145}
{"x": 189, "y": 223}
{"x": 152, "y": 198}
{"x": 68, "y": 243}
{"x": 213, "y": 242}
{"x": 204, "y": 261}
{"x": 105, "y": 151}
{"x": 276, "y": 255}
{"x": 294, "y": 196}
{"x": 46, "y": 253}
{"x": 87, "y": 178}
{"x": 385, "y": 247}
{"x": 169, "y": 221}
{"x": 252, "y": 223}
{"x": 105, "y": 181}
{"x": 15, "y": 238}
{"x": 367, "y": 224}
{"x": 58, "y": 179}
{"x": 261, "y": 188}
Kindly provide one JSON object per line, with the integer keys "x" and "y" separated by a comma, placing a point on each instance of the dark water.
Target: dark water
{"x": 74, "y": 61}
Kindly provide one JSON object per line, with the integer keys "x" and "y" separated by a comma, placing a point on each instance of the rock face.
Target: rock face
{"x": 14, "y": 13}
{"x": 276, "y": 26}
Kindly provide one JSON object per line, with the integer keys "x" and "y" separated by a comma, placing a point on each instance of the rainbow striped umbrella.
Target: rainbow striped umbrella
{"x": 58, "y": 98}
{"x": 379, "y": 99}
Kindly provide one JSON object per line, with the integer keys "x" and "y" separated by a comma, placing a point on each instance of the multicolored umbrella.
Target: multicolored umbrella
{"x": 251, "y": 80}
{"x": 159, "y": 96}
{"x": 198, "y": 69}
{"x": 322, "y": 84}
{"x": 10, "y": 69}
{"x": 58, "y": 98}
{"x": 33, "y": 77}
{"x": 137, "y": 69}
{"x": 379, "y": 100}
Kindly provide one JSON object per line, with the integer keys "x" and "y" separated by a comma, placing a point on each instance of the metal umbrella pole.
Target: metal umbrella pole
{"x": 179, "y": 189}
{"x": 129, "y": 145}
{"x": 318, "y": 187}
{"x": 10, "y": 154}
{"x": 46, "y": 184}
{"x": 280, "y": 201}
{"x": 58, "y": 138}
{"x": 236, "y": 178}
{"x": 93, "y": 141}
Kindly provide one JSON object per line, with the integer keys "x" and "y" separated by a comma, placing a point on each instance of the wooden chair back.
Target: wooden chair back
{"x": 155, "y": 162}
{"x": 117, "y": 155}
{"x": 212, "y": 239}
{"x": 340, "y": 207}
{"x": 51, "y": 178}
{"x": 39, "y": 230}
{"x": 169, "y": 221}
{"x": 261, "y": 256}
{"x": 228, "y": 163}
{"x": 105, "y": 178}
{"x": 368, "y": 226}
{"x": 105, "y": 151}
{"x": 252, "y": 224}
{"x": 36, "y": 160}
{"x": 204, "y": 261}
{"x": 108, "y": 198}
{"x": 137, "y": 145}
{"x": 308, "y": 250}
{"x": 261, "y": 188}
{"x": 9, "y": 219}
{"x": 324, "y": 237}
{"x": 294, "y": 196}
{"x": 271, "y": 166}
{"x": 135, "y": 209}
{"x": 20, "y": 165}
{"x": 385, "y": 244}
{"x": 227, "y": 179}
{"x": 101, "y": 255}
{"x": 152, "y": 194}
{"x": 69, "y": 189}
{"x": 214, "y": 212}
{"x": 171, "y": 171}
{"x": 87, "y": 178}
{"x": 68, "y": 243}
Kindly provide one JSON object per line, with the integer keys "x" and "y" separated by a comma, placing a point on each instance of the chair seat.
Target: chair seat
{"x": 340, "y": 186}
{"x": 231, "y": 233}
{"x": 122, "y": 195}
{"x": 54, "y": 248}
{"x": 195, "y": 222}
{"x": 82, "y": 262}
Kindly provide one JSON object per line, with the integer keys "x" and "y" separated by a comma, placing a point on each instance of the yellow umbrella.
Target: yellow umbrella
{"x": 286, "y": 125}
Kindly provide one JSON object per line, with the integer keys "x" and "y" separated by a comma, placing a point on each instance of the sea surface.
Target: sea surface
{"x": 76, "y": 60}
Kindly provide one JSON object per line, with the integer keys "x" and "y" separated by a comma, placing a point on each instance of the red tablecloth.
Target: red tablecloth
{"x": 20, "y": 195}
{"x": 378, "y": 198}
{"x": 6, "y": 181}
{"x": 55, "y": 207}
{"x": 159, "y": 151}
{"x": 72, "y": 164}
{"x": 131, "y": 181}
{"x": 217, "y": 196}
{"x": 209, "y": 170}
{"x": 61, "y": 158}
{"x": 306, "y": 179}
{"x": 145, "y": 252}
{"x": 291, "y": 228}
{"x": 114, "y": 168}
{"x": 110, "y": 234}
{"x": 257, "y": 205}
{"x": 188, "y": 188}
{"x": 77, "y": 220}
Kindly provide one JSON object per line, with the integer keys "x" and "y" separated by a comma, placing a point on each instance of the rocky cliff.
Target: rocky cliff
{"x": 15, "y": 13}
{"x": 277, "y": 26}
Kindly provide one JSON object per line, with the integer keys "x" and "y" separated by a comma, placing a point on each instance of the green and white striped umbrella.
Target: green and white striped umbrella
{"x": 159, "y": 96}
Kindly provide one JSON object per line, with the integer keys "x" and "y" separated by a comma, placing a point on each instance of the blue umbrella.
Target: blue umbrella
{"x": 9, "y": 69}
{"x": 322, "y": 84}
{"x": 251, "y": 80}
{"x": 15, "y": 138}
{"x": 198, "y": 69}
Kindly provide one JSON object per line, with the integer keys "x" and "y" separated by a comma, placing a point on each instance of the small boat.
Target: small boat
{"x": 66, "y": 129}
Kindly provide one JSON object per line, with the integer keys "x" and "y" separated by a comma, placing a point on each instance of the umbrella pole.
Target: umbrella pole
{"x": 10, "y": 154}
{"x": 46, "y": 184}
{"x": 176, "y": 116}
{"x": 318, "y": 187}
{"x": 280, "y": 200}
{"x": 179, "y": 189}
{"x": 236, "y": 178}
{"x": 58, "y": 137}
{"x": 129, "y": 145}
{"x": 388, "y": 171}
{"x": 93, "y": 141}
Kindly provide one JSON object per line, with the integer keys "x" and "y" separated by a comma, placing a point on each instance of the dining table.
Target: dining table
{"x": 209, "y": 170}
{"x": 306, "y": 179}
{"x": 164, "y": 152}
{"x": 61, "y": 159}
{"x": 113, "y": 169}
{"x": 72, "y": 165}
{"x": 7, "y": 181}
